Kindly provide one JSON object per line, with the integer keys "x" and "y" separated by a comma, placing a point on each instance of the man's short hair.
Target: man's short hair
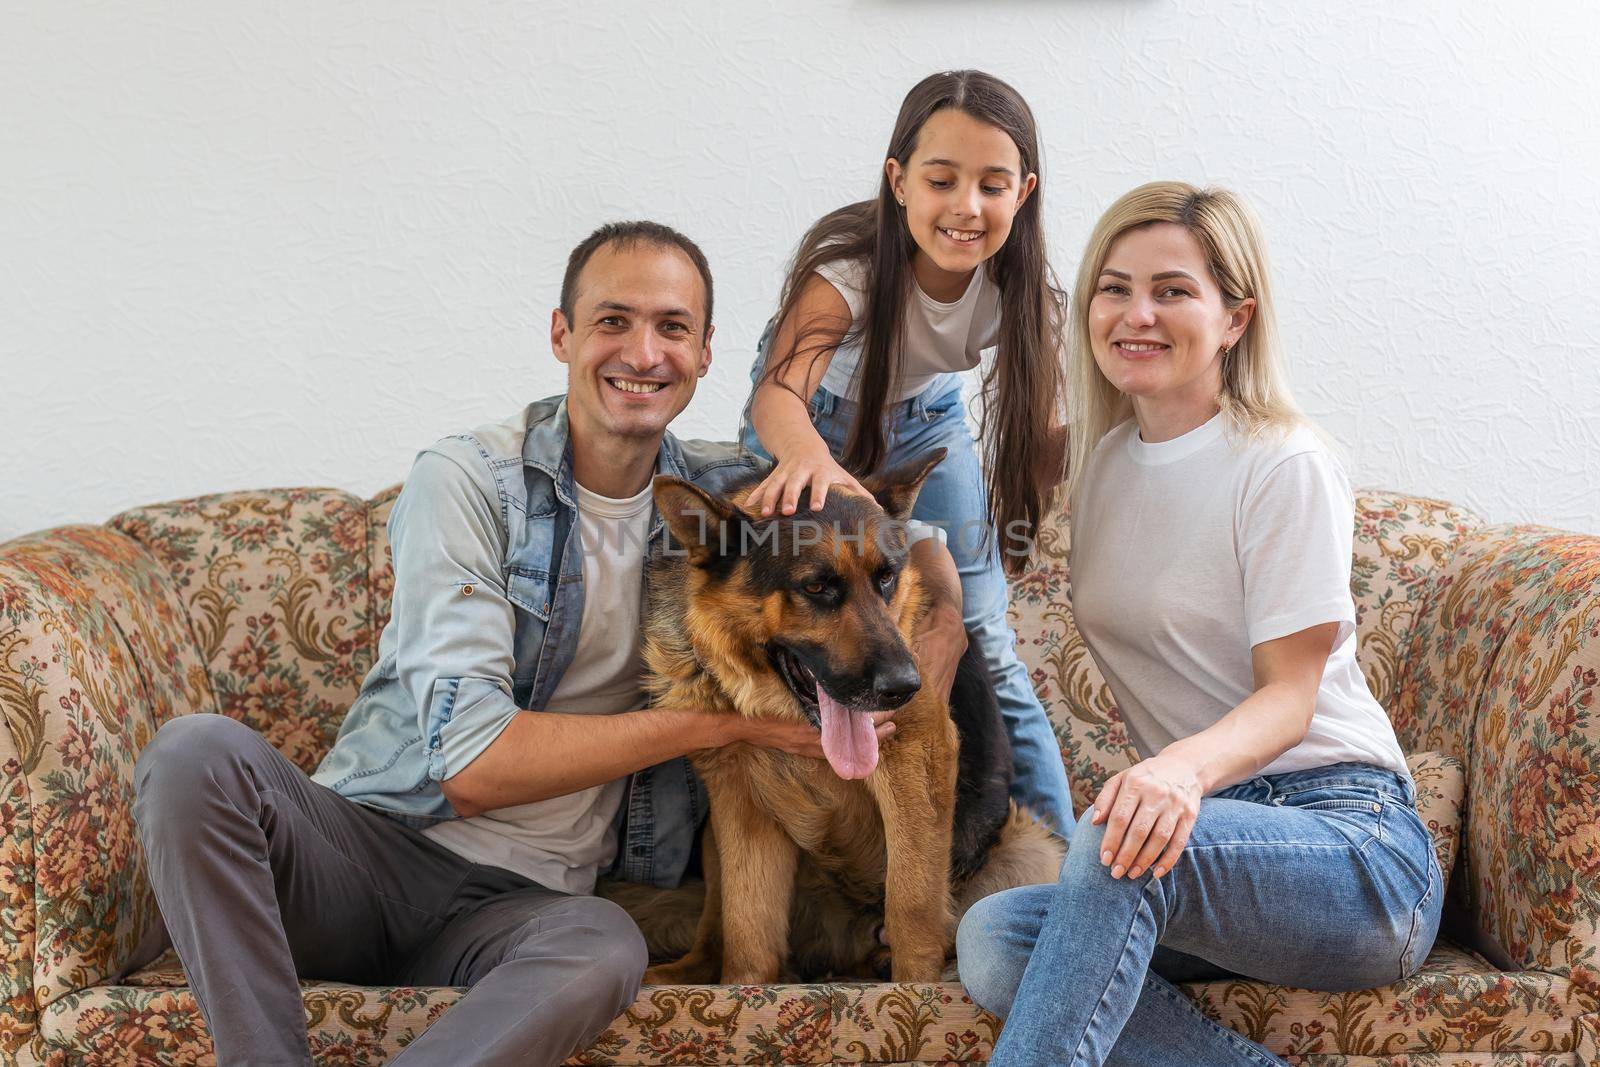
{"x": 625, "y": 234}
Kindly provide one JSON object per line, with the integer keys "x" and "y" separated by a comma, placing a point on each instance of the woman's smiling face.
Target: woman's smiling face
{"x": 961, "y": 189}
{"x": 1157, "y": 321}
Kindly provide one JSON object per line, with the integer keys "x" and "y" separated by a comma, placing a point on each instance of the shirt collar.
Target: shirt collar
{"x": 548, "y": 447}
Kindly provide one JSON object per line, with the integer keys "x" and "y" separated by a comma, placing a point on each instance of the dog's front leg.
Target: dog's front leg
{"x": 704, "y": 958}
{"x": 918, "y": 806}
{"x": 758, "y": 867}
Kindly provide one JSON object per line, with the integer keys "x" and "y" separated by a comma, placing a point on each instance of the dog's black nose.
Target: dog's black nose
{"x": 893, "y": 686}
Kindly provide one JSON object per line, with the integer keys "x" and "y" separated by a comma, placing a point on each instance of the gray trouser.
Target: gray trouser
{"x": 265, "y": 877}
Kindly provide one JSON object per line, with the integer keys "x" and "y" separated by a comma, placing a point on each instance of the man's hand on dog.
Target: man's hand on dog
{"x": 795, "y": 738}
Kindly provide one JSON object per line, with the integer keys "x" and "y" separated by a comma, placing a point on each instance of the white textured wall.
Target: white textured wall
{"x": 249, "y": 244}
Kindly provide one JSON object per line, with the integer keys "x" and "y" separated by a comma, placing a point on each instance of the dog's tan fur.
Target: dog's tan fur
{"x": 852, "y": 845}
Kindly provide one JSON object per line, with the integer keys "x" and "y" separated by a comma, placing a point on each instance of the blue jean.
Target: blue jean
{"x": 955, "y": 499}
{"x": 1323, "y": 879}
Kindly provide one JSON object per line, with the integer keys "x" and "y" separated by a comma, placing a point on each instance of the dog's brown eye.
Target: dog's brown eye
{"x": 815, "y": 588}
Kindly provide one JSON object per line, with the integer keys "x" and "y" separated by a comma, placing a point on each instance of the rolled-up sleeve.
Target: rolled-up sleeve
{"x": 456, "y": 629}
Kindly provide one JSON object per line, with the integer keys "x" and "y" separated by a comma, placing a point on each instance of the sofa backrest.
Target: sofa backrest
{"x": 278, "y": 585}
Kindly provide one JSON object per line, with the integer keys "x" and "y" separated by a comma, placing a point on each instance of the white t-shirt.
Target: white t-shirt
{"x": 562, "y": 843}
{"x": 939, "y": 338}
{"x": 1189, "y": 552}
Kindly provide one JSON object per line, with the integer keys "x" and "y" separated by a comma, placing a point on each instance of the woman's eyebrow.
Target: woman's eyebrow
{"x": 1163, "y": 276}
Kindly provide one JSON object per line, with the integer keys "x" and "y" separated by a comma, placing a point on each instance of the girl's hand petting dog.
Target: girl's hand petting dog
{"x": 1148, "y": 810}
{"x": 782, "y": 488}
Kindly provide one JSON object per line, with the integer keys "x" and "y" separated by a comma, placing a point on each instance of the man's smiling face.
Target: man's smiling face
{"x": 637, "y": 341}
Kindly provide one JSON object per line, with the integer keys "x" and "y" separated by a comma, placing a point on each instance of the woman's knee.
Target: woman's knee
{"x": 993, "y": 943}
{"x": 1087, "y": 838}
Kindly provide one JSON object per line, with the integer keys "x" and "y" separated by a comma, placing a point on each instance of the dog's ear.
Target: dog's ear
{"x": 896, "y": 490}
{"x": 699, "y": 520}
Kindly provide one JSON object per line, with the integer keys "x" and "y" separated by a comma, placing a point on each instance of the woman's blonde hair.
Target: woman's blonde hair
{"x": 1255, "y": 394}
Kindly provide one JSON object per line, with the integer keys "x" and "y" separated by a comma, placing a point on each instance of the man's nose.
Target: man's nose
{"x": 643, "y": 351}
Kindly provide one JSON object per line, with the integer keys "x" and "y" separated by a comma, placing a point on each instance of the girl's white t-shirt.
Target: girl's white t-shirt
{"x": 1188, "y": 553}
{"x": 940, "y": 338}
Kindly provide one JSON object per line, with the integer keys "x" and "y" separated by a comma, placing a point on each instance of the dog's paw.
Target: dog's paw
{"x": 688, "y": 971}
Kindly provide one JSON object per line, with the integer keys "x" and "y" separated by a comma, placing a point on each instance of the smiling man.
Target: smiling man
{"x": 499, "y": 755}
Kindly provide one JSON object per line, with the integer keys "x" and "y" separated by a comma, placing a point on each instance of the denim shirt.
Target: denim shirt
{"x": 487, "y": 609}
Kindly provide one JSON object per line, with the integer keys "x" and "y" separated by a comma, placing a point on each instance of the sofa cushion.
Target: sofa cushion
{"x": 276, "y": 585}
{"x": 1457, "y": 1003}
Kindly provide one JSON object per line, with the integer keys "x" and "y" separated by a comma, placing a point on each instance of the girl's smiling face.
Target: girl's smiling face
{"x": 960, "y": 189}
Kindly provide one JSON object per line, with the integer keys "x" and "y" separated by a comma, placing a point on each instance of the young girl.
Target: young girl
{"x": 887, "y": 302}
{"x": 1270, "y": 830}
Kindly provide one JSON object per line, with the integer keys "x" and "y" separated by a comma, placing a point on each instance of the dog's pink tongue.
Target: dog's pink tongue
{"x": 848, "y": 739}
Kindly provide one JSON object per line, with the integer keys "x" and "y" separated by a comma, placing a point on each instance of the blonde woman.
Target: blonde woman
{"x": 1270, "y": 829}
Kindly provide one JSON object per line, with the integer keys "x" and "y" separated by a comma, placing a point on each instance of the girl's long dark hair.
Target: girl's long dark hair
{"x": 1022, "y": 390}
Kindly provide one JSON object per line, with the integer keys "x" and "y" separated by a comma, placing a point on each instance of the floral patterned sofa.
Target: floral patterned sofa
{"x": 1484, "y": 643}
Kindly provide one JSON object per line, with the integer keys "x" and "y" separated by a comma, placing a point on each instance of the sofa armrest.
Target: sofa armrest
{"x": 19, "y": 1012}
{"x": 1507, "y": 663}
{"x": 95, "y": 652}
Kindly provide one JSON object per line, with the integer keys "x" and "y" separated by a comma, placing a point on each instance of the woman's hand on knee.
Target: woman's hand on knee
{"x": 1148, "y": 811}
{"x": 782, "y": 489}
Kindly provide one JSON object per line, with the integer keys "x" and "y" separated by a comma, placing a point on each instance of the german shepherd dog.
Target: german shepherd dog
{"x": 807, "y": 617}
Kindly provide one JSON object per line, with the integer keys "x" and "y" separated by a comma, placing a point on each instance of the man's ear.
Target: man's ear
{"x": 560, "y": 329}
{"x": 705, "y": 353}
{"x": 699, "y": 521}
{"x": 896, "y": 490}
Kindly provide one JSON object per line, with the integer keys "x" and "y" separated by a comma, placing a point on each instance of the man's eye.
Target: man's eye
{"x": 677, "y": 327}
{"x": 611, "y": 320}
